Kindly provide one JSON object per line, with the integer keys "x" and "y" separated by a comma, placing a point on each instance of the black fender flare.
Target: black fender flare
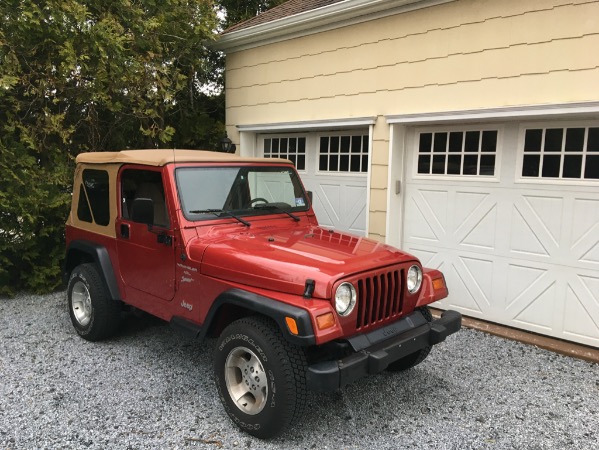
{"x": 268, "y": 307}
{"x": 100, "y": 257}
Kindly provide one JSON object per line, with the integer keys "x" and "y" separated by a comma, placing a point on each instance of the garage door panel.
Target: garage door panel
{"x": 592, "y": 256}
{"x": 435, "y": 209}
{"x": 417, "y": 225}
{"x": 466, "y": 292}
{"x": 355, "y": 205}
{"x": 535, "y": 305}
{"x": 341, "y": 206}
{"x": 585, "y": 232}
{"x": 523, "y": 282}
{"x": 477, "y": 273}
{"x": 465, "y": 206}
{"x": 526, "y": 239}
{"x": 478, "y": 229}
{"x": 325, "y": 212}
{"x": 423, "y": 221}
{"x": 581, "y": 312}
{"x": 542, "y": 212}
{"x": 430, "y": 259}
{"x": 470, "y": 278}
{"x": 520, "y": 247}
{"x": 535, "y": 313}
{"x": 330, "y": 199}
{"x": 586, "y": 223}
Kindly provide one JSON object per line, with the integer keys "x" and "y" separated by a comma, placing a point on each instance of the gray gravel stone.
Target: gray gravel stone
{"x": 149, "y": 387}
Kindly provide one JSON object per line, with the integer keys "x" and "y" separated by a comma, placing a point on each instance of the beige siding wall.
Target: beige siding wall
{"x": 467, "y": 54}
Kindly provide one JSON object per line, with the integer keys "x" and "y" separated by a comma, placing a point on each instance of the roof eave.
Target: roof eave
{"x": 317, "y": 20}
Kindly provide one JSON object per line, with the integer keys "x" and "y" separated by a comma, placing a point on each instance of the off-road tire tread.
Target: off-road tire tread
{"x": 297, "y": 359}
{"x": 106, "y": 311}
{"x": 294, "y": 371}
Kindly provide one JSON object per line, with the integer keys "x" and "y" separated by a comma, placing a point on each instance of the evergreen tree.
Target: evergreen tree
{"x": 90, "y": 75}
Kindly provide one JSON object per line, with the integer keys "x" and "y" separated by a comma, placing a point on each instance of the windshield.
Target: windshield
{"x": 243, "y": 191}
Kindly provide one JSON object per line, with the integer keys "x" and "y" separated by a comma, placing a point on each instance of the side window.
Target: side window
{"x": 561, "y": 153}
{"x": 457, "y": 152}
{"x": 94, "y": 202}
{"x": 144, "y": 184}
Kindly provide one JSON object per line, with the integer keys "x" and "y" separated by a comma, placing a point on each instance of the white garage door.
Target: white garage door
{"x": 510, "y": 214}
{"x": 334, "y": 166}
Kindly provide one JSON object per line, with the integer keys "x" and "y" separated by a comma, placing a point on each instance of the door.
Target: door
{"x": 510, "y": 214}
{"x": 146, "y": 253}
{"x": 334, "y": 166}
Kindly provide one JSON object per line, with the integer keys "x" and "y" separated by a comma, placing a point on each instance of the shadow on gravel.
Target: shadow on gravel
{"x": 135, "y": 322}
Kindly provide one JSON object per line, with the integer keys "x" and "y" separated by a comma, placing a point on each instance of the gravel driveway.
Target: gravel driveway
{"x": 152, "y": 388}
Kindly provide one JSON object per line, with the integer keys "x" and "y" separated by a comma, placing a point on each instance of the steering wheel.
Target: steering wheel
{"x": 258, "y": 199}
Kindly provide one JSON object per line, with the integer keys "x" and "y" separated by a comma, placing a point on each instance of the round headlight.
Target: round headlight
{"x": 345, "y": 299}
{"x": 414, "y": 279}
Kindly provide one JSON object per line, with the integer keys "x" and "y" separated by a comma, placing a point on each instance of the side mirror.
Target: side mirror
{"x": 310, "y": 195}
{"x": 142, "y": 211}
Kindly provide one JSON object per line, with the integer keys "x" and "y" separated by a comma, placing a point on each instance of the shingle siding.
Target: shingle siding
{"x": 467, "y": 54}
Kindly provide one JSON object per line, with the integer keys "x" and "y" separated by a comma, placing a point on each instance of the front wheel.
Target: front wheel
{"x": 95, "y": 316}
{"x": 260, "y": 377}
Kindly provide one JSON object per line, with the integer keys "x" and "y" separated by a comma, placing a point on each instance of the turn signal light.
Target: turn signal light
{"x": 325, "y": 321}
{"x": 438, "y": 284}
{"x": 292, "y": 325}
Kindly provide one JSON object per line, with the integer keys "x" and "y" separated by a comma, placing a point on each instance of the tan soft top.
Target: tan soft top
{"x": 164, "y": 156}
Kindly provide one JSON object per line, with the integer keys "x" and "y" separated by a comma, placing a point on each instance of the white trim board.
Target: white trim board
{"x": 314, "y": 125}
{"x": 587, "y": 109}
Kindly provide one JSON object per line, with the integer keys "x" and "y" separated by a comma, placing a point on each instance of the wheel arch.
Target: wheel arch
{"x": 81, "y": 252}
{"x": 235, "y": 304}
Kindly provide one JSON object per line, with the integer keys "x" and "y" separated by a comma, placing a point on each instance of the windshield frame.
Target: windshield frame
{"x": 244, "y": 212}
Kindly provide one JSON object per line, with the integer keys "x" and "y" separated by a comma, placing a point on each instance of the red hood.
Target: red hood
{"x": 283, "y": 260}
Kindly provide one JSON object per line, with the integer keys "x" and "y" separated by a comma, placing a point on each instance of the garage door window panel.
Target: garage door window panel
{"x": 569, "y": 153}
{"x": 292, "y": 148}
{"x": 460, "y": 152}
{"x": 343, "y": 154}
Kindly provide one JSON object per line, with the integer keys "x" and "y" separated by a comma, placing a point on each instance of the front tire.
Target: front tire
{"x": 407, "y": 362}
{"x": 260, "y": 377}
{"x": 94, "y": 315}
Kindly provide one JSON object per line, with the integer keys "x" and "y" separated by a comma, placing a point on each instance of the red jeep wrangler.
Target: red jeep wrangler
{"x": 229, "y": 247}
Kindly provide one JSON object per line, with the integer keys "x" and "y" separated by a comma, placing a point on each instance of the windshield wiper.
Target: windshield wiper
{"x": 218, "y": 212}
{"x": 269, "y": 206}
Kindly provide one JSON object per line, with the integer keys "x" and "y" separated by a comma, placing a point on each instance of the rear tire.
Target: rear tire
{"x": 407, "y": 362}
{"x": 94, "y": 315}
{"x": 260, "y": 377}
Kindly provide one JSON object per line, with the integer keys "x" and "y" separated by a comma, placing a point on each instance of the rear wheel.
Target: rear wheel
{"x": 260, "y": 377}
{"x": 407, "y": 362}
{"x": 94, "y": 314}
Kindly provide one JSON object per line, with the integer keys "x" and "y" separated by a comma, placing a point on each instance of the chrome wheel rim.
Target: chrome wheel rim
{"x": 246, "y": 380}
{"x": 81, "y": 303}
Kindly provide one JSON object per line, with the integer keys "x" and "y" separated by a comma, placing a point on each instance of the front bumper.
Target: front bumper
{"x": 374, "y": 352}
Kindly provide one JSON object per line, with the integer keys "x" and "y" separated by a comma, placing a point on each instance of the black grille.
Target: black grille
{"x": 380, "y": 298}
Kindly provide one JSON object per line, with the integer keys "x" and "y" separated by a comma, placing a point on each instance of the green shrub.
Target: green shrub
{"x": 88, "y": 75}
{"x": 34, "y": 202}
